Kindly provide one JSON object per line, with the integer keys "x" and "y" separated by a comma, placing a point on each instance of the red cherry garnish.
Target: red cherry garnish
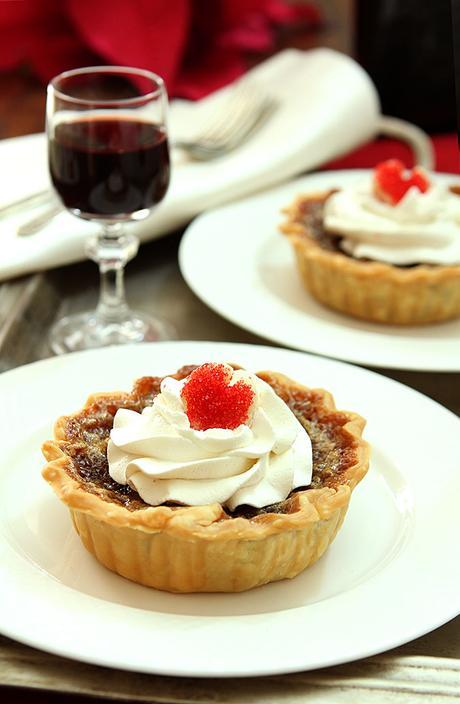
{"x": 392, "y": 180}
{"x": 211, "y": 402}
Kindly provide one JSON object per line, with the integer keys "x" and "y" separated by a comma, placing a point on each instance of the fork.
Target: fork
{"x": 38, "y": 222}
{"x": 230, "y": 124}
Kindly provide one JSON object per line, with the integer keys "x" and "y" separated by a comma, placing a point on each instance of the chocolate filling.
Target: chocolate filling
{"x": 310, "y": 214}
{"x": 87, "y": 432}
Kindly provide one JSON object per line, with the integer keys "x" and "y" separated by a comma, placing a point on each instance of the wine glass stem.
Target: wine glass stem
{"x": 111, "y": 250}
{"x": 112, "y": 300}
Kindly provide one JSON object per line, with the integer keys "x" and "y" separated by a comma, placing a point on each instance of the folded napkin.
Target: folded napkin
{"x": 327, "y": 105}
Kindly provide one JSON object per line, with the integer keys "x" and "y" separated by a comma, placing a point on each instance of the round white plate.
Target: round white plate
{"x": 237, "y": 262}
{"x": 390, "y": 576}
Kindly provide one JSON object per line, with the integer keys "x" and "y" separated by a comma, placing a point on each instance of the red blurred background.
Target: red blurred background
{"x": 200, "y": 45}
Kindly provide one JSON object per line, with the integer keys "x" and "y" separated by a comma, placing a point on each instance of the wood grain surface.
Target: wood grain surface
{"x": 426, "y": 670}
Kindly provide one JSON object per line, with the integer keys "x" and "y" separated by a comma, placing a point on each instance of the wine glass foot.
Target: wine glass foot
{"x": 85, "y": 331}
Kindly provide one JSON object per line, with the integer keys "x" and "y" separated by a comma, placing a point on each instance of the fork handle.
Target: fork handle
{"x": 37, "y": 223}
{"x": 32, "y": 199}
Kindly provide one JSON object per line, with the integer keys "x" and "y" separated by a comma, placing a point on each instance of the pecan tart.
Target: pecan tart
{"x": 174, "y": 543}
{"x": 386, "y": 251}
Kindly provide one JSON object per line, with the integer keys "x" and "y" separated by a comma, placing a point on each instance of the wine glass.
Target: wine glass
{"x": 109, "y": 163}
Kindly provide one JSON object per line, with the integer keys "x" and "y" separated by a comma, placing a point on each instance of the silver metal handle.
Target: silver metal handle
{"x": 35, "y": 224}
{"x": 32, "y": 199}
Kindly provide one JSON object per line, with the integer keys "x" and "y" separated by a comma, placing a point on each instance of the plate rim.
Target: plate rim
{"x": 204, "y": 346}
{"x": 192, "y": 280}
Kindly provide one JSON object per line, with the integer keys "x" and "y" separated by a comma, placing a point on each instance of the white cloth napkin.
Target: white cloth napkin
{"x": 327, "y": 105}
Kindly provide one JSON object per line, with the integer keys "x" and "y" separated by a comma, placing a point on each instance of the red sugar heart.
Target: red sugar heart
{"x": 392, "y": 180}
{"x": 210, "y": 401}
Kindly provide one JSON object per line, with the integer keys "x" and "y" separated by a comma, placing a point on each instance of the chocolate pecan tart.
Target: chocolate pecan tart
{"x": 205, "y": 548}
{"x": 419, "y": 292}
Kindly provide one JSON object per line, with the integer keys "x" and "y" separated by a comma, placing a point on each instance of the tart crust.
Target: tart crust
{"x": 365, "y": 289}
{"x": 202, "y": 548}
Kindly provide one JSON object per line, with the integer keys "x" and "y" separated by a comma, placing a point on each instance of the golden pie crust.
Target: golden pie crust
{"x": 203, "y": 549}
{"x": 366, "y": 289}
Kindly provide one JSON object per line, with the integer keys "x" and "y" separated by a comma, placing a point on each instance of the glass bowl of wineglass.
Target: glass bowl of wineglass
{"x": 109, "y": 163}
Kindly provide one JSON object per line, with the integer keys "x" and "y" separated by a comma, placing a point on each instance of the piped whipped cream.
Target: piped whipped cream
{"x": 423, "y": 228}
{"x": 259, "y": 463}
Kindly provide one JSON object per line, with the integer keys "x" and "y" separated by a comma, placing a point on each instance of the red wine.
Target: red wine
{"x": 109, "y": 166}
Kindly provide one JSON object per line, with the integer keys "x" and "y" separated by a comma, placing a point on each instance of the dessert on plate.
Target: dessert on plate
{"x": 212, "y": 479}
{"x": 384, "y": 249}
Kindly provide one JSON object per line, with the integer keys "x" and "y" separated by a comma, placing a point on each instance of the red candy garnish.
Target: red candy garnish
{"x": 211, "y": 402}
{"x": 392, "y": 180}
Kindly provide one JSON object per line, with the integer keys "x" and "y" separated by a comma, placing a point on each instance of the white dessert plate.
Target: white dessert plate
{"x": 390, "y": 576}
{"x": 238, "y": 263}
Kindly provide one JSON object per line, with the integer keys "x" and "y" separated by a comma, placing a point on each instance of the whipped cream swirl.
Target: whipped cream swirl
{"x": 258, "y": 463}
{"x": 423, "y": 228}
